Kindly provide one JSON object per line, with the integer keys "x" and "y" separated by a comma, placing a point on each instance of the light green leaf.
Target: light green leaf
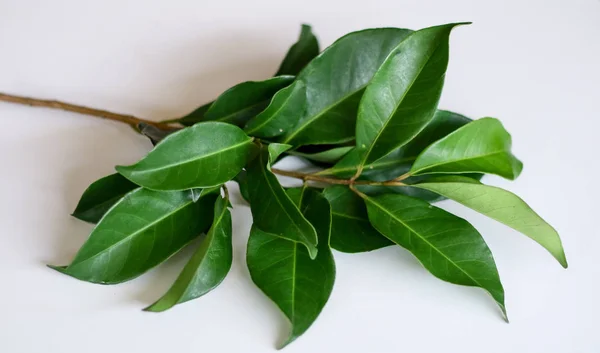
{"x": 272, "y": 210}
{"x": 503, "y": 206}
{"x": 404, "y": 93}
{"x": 482, "y": 146}
{"x": 101, "y": 196}
{"x": 335, "y": 81}
{"x": 328, "y": 156}
{"x": 448, "y": 246}
{"x": 208, "y": 266}
{"x": 351, "y": 230}
{"x": 299, "y": 285}
{"x": 204, "y": 155}
{"x": 301, "y": 53}
{"x": 139, "y": 232}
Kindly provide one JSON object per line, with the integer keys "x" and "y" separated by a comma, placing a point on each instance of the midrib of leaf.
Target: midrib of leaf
{"x": 238, "y": 112}
{"x": 458, "y": 160}
{"x": 348, "y": 216}
{"x": 314, "y": 118}
{"x": 130, "y": 236}
{"x": 197, "y": 158}
{"x": 370, "y": 149}
{"x": 272, "y": 115}
{"x": 424, "y": 240}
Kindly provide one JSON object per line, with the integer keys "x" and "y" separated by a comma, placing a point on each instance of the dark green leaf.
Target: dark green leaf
{"x": 448, "y": 246}
{"x": 194, "y": 117}
{"x": 272, "y": 210}
{"x": 101, "y": 196}
{"x": 139, "y": 232}
{"x": 402, "y": 97}
{"x": 242, "y": 102}
{"x": 208, "y": 266}
{"x": 204, "y": 155}
{"x": 329, "y": 156}
{"x": 299, "y": 286}
{"x": 335, "y": 81}
{"x": 351, "y": 230}
{"x": 301, "y": 53}
{"x": 503, "y": 206}
{"x": 242, "y": 180}
{"x": 482, "y": 146}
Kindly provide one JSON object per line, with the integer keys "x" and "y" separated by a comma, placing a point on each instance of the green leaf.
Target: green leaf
{"x": 242, "y": 102}
{"x": 448, "y": 246}
{"x": 482, "y": 146}
{"x": 335, "y": 81}
{"x": 299, "y": 286}
{"x": 351, "y": 230}
{"x": 328, "y": 156}
{"x": 139, "y": 232}
{"x": 282, "y": 113}
{"x": 403, "y": 95}
{"x": 208, "y": 266}
{"x": 194, "y": 117}
{"x": 301, "y": 53}
{"x": 204, "y": 155}
{"x": 503, "y": 206}
{"x": 242, "y": 180}
{"x": 101, "y": 196}
{"x": 272, "y": 209}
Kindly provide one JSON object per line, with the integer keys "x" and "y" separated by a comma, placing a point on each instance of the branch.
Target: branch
{"x": 351, "y": 182}
{"x": 127, "y": 119}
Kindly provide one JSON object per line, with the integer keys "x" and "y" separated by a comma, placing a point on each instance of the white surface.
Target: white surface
{"x": 533, "y": 64}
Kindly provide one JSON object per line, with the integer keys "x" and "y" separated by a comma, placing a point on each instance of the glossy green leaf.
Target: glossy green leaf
{"x": 299, "y": 286}
{"x": 301, "y": 53}
{"x": 503, "y": 206}
{"x": 335, "y": 81}
{"x": 329, "y": 156}
{"x": 242, "y": 102}
{"x": 403, "y": 95}
{"x": 204, "y": 155}
{"x": 139, "y": 232}
{"x": 101, "y": 196}
{"x": 282, "y": 113}
{"x": 482, "y": 146}
{"x": 351, "y": 230}
{"x": 272, "y": 209}
{"x": 208, "y": 266}
{"x": 194, "y": 117}
{"x": 448, "y": 246}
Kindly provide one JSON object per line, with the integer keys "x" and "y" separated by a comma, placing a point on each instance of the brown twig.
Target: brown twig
{"x": 313, "y": 177}
{"x": 54, "y": 104}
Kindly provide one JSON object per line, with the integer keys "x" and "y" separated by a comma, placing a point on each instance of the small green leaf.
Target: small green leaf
{"x": 329, "y": 156}
{"x": 272, "y": 210}
{"x": 351, "y": 230}
{"x": 301, "y": 53}
{"x": 403, "y": 95}
{"x": 299, "y": 285}
{"x": 242, "y": 102}
{"x": 208, "y": 266}
{"x": 448, "y": 246}
{"x": 482, "y": 146}
{"x": 335, "y": 81}
{"x": 204, "y": 155}
{"x": 503, "y": 206}
{"x": 101, "y": 196}
{"x": 139, "y": 232}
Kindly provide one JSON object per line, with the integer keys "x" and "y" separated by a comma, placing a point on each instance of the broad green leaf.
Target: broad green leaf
{"x": 400, "y": 160}
{"x": 351, "y": 230}
{"x": 208, "y": 266}
{"x": 282, "y": 113}
{"x": 328, "y": 156}
{"x": 403, "y": 95}
{"x": 194, "y": 117}
{"x": 139, "y": 232}
{"x": 503, "y": 206}
{"x": 448, "y": 246}
{"x": 101, "y": 196}
{"x": 242, "y": 102}
{"x": 301, "y": 53}
{"x": 272, "y": 210}
{"x": 284, "y": 271}
{"x": 335, "y": 81}
{"x": 204, "y": 155}
{"x": 482, "y": 146}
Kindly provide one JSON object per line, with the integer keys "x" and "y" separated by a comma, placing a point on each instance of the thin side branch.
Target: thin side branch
{"x": 350, "y": 182}
{"x": 54, "y": 104}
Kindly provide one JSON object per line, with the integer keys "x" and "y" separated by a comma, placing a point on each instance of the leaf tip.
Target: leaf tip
{"x": 61, "y": 269}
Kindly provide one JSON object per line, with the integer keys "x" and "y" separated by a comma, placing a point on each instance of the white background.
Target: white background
{"x": 533, "y": 64}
